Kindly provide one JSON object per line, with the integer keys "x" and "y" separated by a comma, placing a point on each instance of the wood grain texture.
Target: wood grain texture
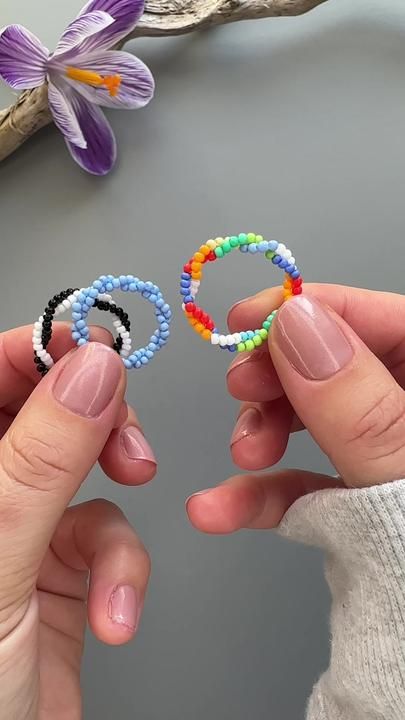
{"x": 162, "y": 18}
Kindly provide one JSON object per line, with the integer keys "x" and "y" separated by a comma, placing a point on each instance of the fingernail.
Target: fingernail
{"x": 135, "y": 445}
{"x": 89, "y": 380}
{"x": 246, "y": 358}
{"x": 123, "y": 607}
{"x": 240, "y": 302}
{"x": 247, "y": 425}
{"x": 311, "y": 340}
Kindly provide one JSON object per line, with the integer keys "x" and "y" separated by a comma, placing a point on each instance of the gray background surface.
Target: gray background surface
{"x": 290, "y": 127}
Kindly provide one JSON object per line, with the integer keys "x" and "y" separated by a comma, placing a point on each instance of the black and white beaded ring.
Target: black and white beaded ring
{"x": 42, "y": 332}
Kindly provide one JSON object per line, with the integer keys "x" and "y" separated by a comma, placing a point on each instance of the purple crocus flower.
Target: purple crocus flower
{"x": 82, "y": 74}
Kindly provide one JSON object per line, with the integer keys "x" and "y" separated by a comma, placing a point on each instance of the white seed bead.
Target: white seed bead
{"x": 222, "y": 340}
{"x": 183, "y": 307}
{"x": 211, "y": 244}
{"x": 288, "y": 254}
{"x": 214, "y": 339}
{"x": 37, "y": 333}
{"x": 41, "y": 353}
{"x": 125, "y": 335}
{"x": 281, "y": 248}
{"x": 38, "y": 326}
{"x": 237, "y": 338}
{"x": 291, "y": 260}
{"x": 230, "y": 340}
{"x": 117, "y": 324}
{"x": 66, "y": 304}
{"x": 38, "y": 347}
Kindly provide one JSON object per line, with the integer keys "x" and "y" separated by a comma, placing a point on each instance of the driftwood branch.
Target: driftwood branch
{"x": 162, "y": 18}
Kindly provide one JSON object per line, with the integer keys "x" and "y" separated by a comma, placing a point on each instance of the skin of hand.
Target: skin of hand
{"x": 63, "y": 567}
{"x": 334, "y": 365}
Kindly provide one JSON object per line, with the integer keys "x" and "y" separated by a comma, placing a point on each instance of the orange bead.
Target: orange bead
{"x": 287, "y": 284}
{"x": 287, "y": 294}
{"x": 206, "y": 334}
{"x": 196, "y": 266}
{"x": 199, "y": 327}
{"x": 196, "y": 275}
{"x": 204, "y": 250}
{"x": 199, "y": 257}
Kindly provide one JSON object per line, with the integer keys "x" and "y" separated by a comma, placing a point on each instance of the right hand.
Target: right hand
{"x": 53, "y": 432}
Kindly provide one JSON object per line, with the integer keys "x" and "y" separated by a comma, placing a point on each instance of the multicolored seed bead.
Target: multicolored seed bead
{"x": 212, "y": 250}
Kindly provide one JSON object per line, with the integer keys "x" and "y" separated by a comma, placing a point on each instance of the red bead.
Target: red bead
{"x": 297, "y": 282}
{"x": 297, "y": 290}
{"x": 211, "y": 257}
{"x": 187, "y": 268}
{"x": 210, "y": 325}
{"x": 197, "y": 312}
{"x": 190, "y": 307}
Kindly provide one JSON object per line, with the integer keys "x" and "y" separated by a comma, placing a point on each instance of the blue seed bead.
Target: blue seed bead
{"x": 76, "y": 335}
{"x": 185, "y": 283}
{"x": 81, "y": 297}
{"x": 276, "y": 260}
{"x": 149, "y": 354}
{"x": 232, "y": 348}
{"x": 283, "y": 264}
{"x": 76, "y": 307}
{"x": 97, "y": 284}
{"x": 144, "y": 360}
{"x": 252, "y": 247}
{"x": 81, "y": 342}
{"x": 125, "y": 287}
{"x": 273, "y": 245}
{"x": 185, "y": 276}
{"x": 244, "y": 336}
{"x": 149, "y": 286}
{"x": 109, "y": 286}
{"x": 185, "y": 292}
{"x": 153, "y": 298}
{"x": 80, "y": 324}
{"x": 290, "y": 268}
{"x": 133, "y": 287}
{"x": 145, "y": 294}
{"x": 250, "y": 334}
{"x": 127, "y": 364}
{"x": 138, "y": 364}
{"x": 164, "y": 334}
{"x": 160, "y": 303}
{"x": 76, "y": 315}
{"x": 152, "y": 347}
{"x": 295, "y": 274}
{"x": 263, "y": 246}
{"x": 90, "y": 301}
{"x": 164, "y": 327}
{"x": 244, "y": 248}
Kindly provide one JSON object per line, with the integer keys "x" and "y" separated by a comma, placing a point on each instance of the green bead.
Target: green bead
{"x": 259, "y": 238}
{"x": 266, "y": 325}
{"x": 257, "y": 340}
{"x": 242, "y": 239}
{"x": 263, "y": 333}
{"x": 219, "y": 252}
{"x": 226, "y": 246}
{"x": 241, "y": 347}
{"x": 250, "y": 345}
{"x": 251, "y": 237}
{"x": 234, "y": 241}
{"x": 269, "y": 254}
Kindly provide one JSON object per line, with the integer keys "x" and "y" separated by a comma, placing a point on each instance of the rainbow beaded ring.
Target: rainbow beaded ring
{"x": 191, "y": 277}
{"x": 127, "y": 283}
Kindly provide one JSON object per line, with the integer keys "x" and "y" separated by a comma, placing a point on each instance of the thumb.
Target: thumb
{"x": 342, "y": 393}
{"x": 44, "y": 457}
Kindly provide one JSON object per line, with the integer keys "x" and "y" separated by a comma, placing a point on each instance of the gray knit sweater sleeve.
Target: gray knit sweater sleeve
{"x": 363, "y": 535}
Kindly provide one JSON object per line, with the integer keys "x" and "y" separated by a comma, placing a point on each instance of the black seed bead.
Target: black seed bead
{"x": 52, "y": 304}
{"x": 37, "y": 360}
{"x": 112, "y": 309}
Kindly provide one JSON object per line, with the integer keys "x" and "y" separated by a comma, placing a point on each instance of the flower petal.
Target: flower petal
{"x": 80, "y": 29}
{"x": 100, "y": 155}
{"x": 64, "y": 116}
{"x": 22, "y": 58}
{"x": 137, "y": 84}
{"x": 126, "y": 14}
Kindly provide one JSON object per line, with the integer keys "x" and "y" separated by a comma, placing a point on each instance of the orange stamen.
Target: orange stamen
{"x": 111, "y": 82}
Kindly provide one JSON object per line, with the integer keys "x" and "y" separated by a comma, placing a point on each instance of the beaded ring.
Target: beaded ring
{"x": 42, "y": 331}
{"x": 191, "y": 277}
{"x": 127, "y": 283}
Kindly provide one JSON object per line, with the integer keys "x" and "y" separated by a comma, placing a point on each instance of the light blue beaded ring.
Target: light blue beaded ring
{"x": 127, "y": 283}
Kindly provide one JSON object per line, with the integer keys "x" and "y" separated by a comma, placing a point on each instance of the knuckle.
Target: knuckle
{"x": 33, "y": 461}
{"x": 381, "y": 429}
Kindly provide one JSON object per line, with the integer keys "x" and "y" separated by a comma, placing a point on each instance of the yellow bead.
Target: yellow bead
{"x": 204, "y": 250}
{"x": 199, "y": 257}
{"x": 196, "y": 275}
{"x": 287, "y": 294}
{"x": 211, "y": 244}
{"x": 206, "y": 334}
